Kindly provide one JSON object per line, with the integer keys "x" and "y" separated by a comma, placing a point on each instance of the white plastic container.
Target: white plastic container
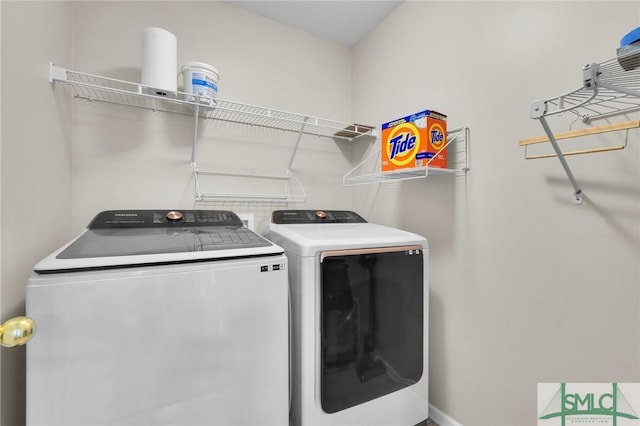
{"x": 200, "y": 79}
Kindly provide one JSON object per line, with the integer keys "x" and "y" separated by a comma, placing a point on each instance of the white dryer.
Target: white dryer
{"x": 160, "y": 318}
{"x": 359, "y": 319}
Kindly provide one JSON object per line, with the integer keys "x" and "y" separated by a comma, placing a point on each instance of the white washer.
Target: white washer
{"x": 156, "y": 318}
{"x": 359, "y": 319}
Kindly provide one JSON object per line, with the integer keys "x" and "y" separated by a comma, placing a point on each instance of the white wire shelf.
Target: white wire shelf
{"x": 104, "y": 89}
{"x": 609, "y": 89}
{"x": 396, "y": 175}
{"x": 457, "y": 146}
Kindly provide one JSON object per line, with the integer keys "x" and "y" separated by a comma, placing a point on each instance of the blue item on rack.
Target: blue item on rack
{"x": 629, "y": 51}
{"x": 630, "y": 38}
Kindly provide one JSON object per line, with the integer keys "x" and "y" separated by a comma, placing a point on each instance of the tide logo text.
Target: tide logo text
{"x": 402, "y": 143}
{"x": 436, "y": 136}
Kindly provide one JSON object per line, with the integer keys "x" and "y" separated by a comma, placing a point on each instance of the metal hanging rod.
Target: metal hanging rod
{"x": 583, "y": 132}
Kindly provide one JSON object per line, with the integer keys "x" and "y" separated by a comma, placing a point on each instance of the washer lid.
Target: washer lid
{"x": 140, "y": 237}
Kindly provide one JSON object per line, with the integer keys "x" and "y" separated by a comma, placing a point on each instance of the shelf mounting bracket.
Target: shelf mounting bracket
{"x": 554, "y": 143}
{"x": 196, "y": 115}
{"x": 295, "y": 148}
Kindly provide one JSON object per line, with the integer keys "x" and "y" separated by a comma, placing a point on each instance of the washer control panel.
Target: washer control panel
{"x": 111, "y": 219}
{"x": 288, "y": 217}
{"x": 115, "y": 233}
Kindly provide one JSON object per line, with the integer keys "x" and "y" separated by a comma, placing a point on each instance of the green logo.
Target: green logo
{"x": 587, "y": 403}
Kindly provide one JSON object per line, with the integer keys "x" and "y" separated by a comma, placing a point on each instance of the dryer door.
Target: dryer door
{"x": 372, "y": 323}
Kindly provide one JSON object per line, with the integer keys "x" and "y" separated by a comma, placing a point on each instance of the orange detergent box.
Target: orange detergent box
{"x": 416, "y": 140}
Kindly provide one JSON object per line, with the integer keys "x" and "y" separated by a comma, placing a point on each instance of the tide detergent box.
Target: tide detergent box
{"x": 417, "y": 140}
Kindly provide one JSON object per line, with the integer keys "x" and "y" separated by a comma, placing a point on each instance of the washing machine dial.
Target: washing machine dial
{"x": 321, "y": 215}
{"x": 174, "y": 216}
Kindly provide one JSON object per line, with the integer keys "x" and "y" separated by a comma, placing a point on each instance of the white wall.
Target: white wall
{"x": 260, "y": 62}
{"x": 36, "y": 171}
{"x": 523, "y": 281}
{"x": 526, "y": 287}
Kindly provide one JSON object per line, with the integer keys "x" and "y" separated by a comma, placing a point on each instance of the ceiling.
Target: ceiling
{"x": 342, "y": 21}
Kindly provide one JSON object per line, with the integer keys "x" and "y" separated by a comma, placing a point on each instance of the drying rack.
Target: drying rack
{"x": 104, "y": 89}
{"x": 610, "y": 88}
{"x": 458, "y": 139}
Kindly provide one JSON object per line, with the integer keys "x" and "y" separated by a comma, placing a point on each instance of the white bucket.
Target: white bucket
{"x": 200, "y": 79}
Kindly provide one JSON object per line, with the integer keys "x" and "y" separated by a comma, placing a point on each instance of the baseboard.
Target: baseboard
{"x": 441, "y": 418}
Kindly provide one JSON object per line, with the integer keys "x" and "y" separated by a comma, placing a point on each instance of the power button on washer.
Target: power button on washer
{"x": 174, "y": 216}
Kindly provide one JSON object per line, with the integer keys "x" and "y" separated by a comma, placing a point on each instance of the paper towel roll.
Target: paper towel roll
{"x": 159, "y": 60}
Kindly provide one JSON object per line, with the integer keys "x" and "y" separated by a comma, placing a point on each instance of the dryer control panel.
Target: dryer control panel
{"x": 290, "y": 217}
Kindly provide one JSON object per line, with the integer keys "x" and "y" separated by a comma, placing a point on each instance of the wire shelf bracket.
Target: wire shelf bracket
{"x": 610, "y": 88}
